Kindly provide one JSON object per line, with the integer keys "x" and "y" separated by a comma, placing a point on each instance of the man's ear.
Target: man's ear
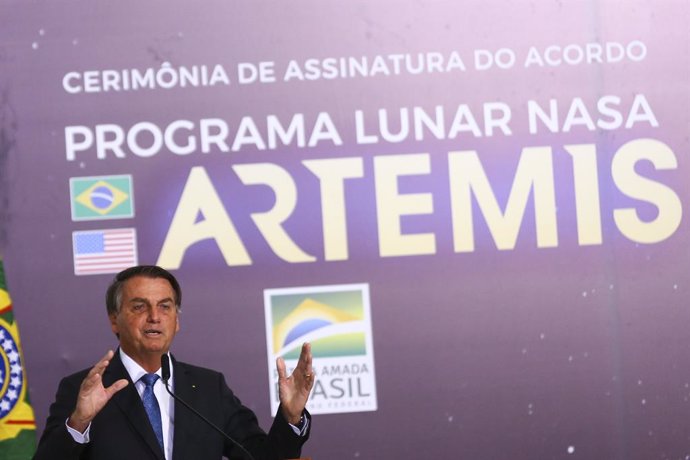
{"x": 113, "y": 324}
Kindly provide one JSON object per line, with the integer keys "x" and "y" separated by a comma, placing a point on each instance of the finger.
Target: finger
{"x": 115, "y": 387}
{"x": 100, "y": 366}
{"x": 307, "y": 347}
{"x": 280, "y": 365}
{"x": 89, "y": 382}
{"x": 305, "y": 358}
{"x": 304, "y": 373}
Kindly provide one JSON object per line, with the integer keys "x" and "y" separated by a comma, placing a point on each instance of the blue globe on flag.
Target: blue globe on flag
{"x": 101, "y": 197}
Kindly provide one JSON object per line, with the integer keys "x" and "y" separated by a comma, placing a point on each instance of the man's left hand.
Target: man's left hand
{"x": 294, "y": 390}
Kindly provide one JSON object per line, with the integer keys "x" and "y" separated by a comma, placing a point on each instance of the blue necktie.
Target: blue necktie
{"x": 151, "y": 407}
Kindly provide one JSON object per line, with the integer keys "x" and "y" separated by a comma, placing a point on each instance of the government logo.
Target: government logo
{"x": 101, "y": 197}
{"x": 336, "y": 320}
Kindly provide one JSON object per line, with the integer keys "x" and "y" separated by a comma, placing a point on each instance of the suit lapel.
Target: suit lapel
{"x": 183, "y": 418}
{"x": 130, "y": 404}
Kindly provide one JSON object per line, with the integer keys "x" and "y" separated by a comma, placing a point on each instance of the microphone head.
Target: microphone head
{"x": 165, "y": 367}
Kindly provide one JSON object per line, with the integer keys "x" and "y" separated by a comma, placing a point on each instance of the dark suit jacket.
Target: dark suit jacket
{"x": 122, "y": 430}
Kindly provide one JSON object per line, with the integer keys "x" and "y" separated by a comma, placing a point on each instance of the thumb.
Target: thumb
{"x": 280, "y": 365}
{"x": 115, "y": 387}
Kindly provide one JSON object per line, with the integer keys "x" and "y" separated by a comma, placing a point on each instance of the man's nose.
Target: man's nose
{"x": 154, "y": 314}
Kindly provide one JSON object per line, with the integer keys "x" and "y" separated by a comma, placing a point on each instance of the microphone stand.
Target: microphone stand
{"x": 165, "y": 370}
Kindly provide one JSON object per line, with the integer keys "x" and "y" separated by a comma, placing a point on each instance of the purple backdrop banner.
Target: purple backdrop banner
{"x": 473, "y": 210}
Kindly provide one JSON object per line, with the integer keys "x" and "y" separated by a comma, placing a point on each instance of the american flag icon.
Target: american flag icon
{"x": 104, "y": 251}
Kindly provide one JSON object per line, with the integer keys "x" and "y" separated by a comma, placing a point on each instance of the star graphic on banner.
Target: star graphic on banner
{"x": 13, "y": 356}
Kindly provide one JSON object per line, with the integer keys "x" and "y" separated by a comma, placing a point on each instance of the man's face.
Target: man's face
{"x": 147, "y": 320}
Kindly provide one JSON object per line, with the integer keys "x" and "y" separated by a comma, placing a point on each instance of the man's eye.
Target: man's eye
{"x": 166, "y": 306}
{"x": 138, "y": 307}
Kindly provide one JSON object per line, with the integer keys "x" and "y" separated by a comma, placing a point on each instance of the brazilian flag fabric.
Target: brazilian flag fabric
{"x": 17, "y": 423}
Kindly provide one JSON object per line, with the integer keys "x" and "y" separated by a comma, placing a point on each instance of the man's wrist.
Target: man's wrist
{"x": 300, "y": 422}
{"x": 78, "y": 425}
{"x": 297, "y": 421}
{"x": 81, "y": 437}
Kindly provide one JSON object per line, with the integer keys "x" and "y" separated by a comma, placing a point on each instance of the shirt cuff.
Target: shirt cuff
{"x": 81, "y": 438}
{"x": 299, "y": 429}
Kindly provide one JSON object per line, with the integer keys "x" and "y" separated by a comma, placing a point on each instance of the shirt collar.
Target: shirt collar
{"x": 135, "y": 371}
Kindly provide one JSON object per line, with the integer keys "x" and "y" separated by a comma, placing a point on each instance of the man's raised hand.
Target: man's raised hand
{"x": 93, "y": 396}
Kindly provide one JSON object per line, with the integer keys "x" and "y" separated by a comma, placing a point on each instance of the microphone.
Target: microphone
{"x": 165, "y": 368}
{"x": 165, "y": 371}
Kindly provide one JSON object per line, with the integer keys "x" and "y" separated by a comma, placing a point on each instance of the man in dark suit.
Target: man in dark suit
{"x": 119, "y": 408}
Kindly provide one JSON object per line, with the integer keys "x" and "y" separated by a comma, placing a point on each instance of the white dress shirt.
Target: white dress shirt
{"x": 165, "y": 401}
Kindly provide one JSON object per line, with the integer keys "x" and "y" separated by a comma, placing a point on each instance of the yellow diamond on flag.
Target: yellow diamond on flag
{"x": 102, "y": 197}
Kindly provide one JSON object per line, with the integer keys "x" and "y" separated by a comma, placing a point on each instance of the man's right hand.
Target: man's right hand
{"x": 93, "y": 396}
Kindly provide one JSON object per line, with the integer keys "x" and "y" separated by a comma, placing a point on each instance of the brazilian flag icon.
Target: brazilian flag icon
{"x": 101, "y": 197}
